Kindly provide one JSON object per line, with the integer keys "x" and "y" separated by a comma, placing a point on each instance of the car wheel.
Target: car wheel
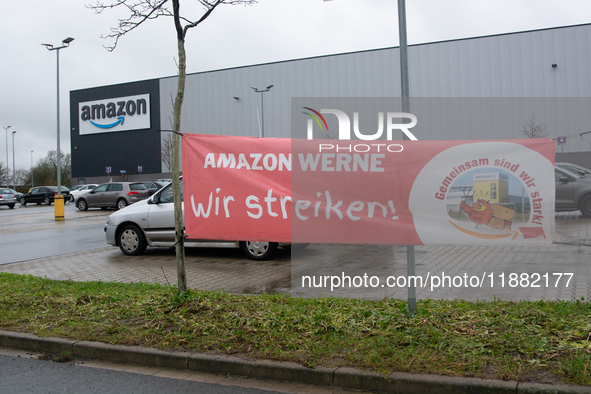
{"x": 257, "y": 250}
{"x": 22, "y": 201}
{"x": 585, "y": 206}
{"x": 132, "y": 241}
{"x": 10, "y": 206}
{"x": 82, "y": 204}
{"x": 46, "y": 201}
{"x": 71, "y": 199}
{"x": 121, "y": 203}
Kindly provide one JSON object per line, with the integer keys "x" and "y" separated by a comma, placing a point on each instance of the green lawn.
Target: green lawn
{"x": 545, "y": 341}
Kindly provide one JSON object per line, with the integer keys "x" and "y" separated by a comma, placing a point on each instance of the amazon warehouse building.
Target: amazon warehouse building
{"x": 483, "y": 88}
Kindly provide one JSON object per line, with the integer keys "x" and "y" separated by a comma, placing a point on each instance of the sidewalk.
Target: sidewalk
{"x": 230, "y": 271}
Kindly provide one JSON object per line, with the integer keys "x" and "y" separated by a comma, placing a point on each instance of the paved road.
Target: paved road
{"x": 28, "y": 376}
{"x": 47, "y": 243}
{"x": 24, "y": 373}
{"x": 31, "y": 232}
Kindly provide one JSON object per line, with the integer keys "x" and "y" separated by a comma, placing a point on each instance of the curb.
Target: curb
{"x": 345, "y": 377}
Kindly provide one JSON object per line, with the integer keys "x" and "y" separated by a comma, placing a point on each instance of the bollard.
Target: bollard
{"x": 58, "y": 202}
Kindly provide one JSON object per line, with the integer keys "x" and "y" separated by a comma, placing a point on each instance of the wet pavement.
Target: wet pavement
{"x": 558, "y": 272}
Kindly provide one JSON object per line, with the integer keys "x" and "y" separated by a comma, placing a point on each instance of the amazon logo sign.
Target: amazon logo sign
{"x": 112, "y": 115}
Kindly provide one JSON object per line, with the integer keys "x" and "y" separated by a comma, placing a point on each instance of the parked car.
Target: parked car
{"x": 17, "y": 195}
{"x": 153, "y": 186}
{"x": 574, "y": 168}
{"x": 83, "y": 188}
{"x": 43, "y": 195}
{"x": 76, "y": 187}
{"x": 164, "y": 181}
{"x": 7, "y": 197}
{"x": 151, "y": 223}
{"x": 573, "y": 192}
{"x": 112, "y": 195}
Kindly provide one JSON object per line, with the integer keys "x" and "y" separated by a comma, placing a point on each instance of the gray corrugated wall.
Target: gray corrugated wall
{"x": 470, "y": 72}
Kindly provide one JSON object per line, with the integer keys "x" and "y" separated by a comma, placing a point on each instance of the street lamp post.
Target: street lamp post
{"x": 32, "y": 179}
{"x": 7, "y": 173}
{"x": 58, "y": 202}
{"x": 262, "y": 92}
{"x": 13, "y": 166}
{"x": 405, "y": 95}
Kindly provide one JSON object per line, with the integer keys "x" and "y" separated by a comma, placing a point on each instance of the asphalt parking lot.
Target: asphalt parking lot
{"x": 229, "y": 270}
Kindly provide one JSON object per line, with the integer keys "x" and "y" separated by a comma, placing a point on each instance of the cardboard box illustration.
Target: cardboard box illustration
{"x": 501, "y": 212}
{"x": 502, "y": 217}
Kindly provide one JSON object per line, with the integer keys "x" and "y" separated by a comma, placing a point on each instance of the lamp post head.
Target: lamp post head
{"x": 14, "y": 132}
{"x": 256, "y": 90}
{"x": 66, "y": 42}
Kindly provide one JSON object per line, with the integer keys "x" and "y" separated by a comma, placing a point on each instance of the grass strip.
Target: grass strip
{"x": 541, "y": 341}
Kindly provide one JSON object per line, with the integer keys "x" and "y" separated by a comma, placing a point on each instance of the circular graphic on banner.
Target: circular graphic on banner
{"x": 491, "y": 193}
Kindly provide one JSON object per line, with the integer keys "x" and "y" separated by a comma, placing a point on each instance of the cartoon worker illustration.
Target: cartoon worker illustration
{"x": 494, "y": 216}
{"x": 480, "y": 212}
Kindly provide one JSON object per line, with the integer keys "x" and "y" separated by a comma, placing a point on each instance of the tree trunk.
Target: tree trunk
{"x": 178, "y": 212}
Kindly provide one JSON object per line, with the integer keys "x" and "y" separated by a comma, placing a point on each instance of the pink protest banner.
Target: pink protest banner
{"x": 235, "y": 188}
{"x": 382, "y": 192}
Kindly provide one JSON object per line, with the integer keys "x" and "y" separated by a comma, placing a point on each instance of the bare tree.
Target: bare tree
{"x": 3, "y": 174}
{"x": 22, "y": 177}
{"x": 533, "y": 130}
{"x": 141, "y": 11}
{"x": 166, "y": 153}
{"x": 45, "y": 171}
{"x": 125, "y": 176}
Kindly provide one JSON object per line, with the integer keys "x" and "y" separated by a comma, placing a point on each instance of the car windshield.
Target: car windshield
{"x": 137, "y": 186}
{"x": 574, "y": 169}
{"x": 165, "y": 195}
{"x": 562, "y": 172}
{"x": 6, "y": 191}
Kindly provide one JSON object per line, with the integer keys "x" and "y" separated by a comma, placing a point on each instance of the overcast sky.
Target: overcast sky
{"x": 269, "y": 31}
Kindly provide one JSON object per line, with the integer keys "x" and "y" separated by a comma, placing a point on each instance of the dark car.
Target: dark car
{"x": 574, "y": 168}
{"x": 573, "y": 192}
{"x": 112, "y": 195}
{"x": 43, "y": 195}
{"x": 153, "y": 186}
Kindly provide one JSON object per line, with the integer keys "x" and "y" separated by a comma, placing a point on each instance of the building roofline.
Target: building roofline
{"x": 380, "y": 49}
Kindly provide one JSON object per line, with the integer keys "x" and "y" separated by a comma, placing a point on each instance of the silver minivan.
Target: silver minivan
{"x": 151, "y": 223}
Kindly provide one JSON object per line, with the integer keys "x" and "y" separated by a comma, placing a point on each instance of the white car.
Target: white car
{"x": 75, "y": 193}
{"x": 150, "y": 222}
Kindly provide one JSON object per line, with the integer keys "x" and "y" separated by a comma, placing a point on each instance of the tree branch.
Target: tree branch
{"x": 141, "y": 11}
